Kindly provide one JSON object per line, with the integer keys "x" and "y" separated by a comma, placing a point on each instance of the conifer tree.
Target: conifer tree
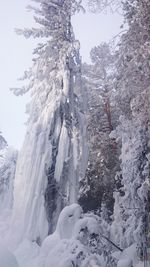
{"x": 103, "y": 160}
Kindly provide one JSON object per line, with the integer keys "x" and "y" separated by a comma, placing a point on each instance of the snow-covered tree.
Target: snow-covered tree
{"x": 53, "y": 157}
{"x": 103, "y": 161}
{"x": 134, "y": 132}
{"x": 133, "y": 207}
{"x": 133, "y": 64}
{"x": 3, "y": 142}
{"x": 8, "y": 158}
{"x": 104, "y": 5}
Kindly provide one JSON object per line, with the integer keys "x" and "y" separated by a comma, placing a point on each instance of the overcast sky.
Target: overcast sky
{"x": 16, "y": 56}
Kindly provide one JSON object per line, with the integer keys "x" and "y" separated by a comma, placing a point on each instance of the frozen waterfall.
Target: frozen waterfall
{"x": 53, "y": 157}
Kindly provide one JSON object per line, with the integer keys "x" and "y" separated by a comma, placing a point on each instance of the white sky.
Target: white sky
{"x": 16, "y": 56}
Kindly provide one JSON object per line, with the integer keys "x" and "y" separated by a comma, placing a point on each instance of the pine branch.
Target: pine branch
{"x": 111, "y": 242}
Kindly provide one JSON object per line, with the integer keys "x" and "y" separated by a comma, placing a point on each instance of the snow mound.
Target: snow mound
{"x": 70, "y": 253}
{"x": 26, "y": 251}
{"x": 67, "y": 220}
{"x": 124, "y": 263}
{"x": 140, "y": 264}
{"x": 128, "y": 257}
{"x": 7, "y": 259}
{"x": 71, "y": 242}
{"x": 93, "y": 261}
{"x": 64, "y": 229}
{"x": 48, "y": 243}
{"x": 86, "y": 224}
{"x": 66, "y": 253}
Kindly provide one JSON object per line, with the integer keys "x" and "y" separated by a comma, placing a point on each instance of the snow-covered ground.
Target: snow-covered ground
{"x": 72, "y": 244}
{"x": 67, "y": 246}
